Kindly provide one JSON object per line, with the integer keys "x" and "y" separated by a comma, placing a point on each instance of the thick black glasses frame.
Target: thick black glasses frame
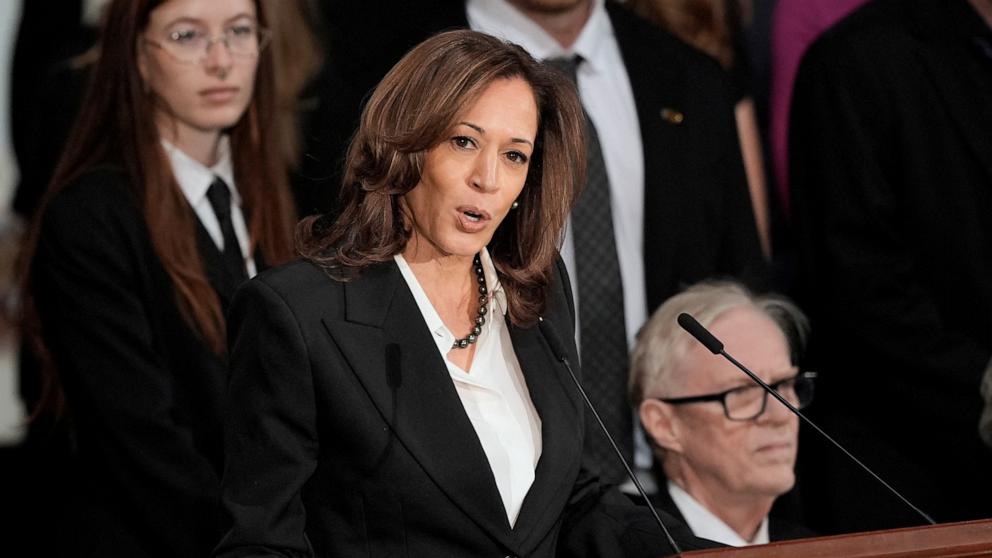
{"x": 806, "y": 377}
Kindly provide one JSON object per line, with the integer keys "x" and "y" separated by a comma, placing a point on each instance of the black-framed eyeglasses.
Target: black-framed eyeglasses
{"x": 191, "y": 46}
{"x": 749, "y": 402}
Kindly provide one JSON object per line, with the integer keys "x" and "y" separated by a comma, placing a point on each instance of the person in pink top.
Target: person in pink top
{"x": 795, "y": 25}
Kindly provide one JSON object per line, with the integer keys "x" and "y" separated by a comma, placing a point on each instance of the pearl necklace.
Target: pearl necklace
{"x": 480, "y": 319}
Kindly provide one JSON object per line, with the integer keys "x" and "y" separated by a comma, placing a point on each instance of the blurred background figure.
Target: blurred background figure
{"x": 716, "y": 28}
{"x": 890, "y": 163}
{"x": 172, "y": 190}
{"x": 53, "y": 51}
{"x": 298, "y": 54}
{"x": 795, "y": 25}
{"x": 726, "y": 450}
{"x": 11, "y": 227}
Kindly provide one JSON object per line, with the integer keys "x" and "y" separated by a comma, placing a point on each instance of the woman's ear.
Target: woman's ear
{"x": 661, "y": 424}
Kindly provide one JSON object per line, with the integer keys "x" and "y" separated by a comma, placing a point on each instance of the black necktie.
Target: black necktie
{"x": 220, "y": 199}
{"x": 602, "y": 332}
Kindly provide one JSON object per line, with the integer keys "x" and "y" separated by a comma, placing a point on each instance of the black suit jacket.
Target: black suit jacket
{"x": 346, "y": 437}
{"x": 891, "y": 164}
{"x": 144, "y": 392}
{"x": 698, "y": 220}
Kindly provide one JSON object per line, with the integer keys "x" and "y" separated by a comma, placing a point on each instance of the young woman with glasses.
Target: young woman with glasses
{"x": 172, "y": 191}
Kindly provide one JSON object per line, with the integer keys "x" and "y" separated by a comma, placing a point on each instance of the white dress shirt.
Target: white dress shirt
{"x": 194, "y": 180}
{"x": 708, "y": 526}
{"x": 493, "y": 391}
{"x": 608, "y": 98}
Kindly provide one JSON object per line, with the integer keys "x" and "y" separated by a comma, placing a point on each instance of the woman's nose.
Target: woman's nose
{"x": 218, "y": 60}
{"x": 486, "y": 172}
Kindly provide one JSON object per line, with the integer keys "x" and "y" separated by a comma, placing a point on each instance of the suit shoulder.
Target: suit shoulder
{"x": 877, "y": 30}
{"x": 297, "y": 278}
{"x": 100, "y": 190}
{"x": 98, "y": 201}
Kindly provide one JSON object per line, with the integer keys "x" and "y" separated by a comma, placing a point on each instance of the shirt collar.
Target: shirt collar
{"x": 443, "y": 337}
{"x": 194, "y": 178}
{"x": 500, "y": 19}
{"x": 706, "y": 525}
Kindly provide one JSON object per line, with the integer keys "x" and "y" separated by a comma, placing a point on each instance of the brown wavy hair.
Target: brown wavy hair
{"x": 116, "y": 126}
{"x": 411, "y": 111}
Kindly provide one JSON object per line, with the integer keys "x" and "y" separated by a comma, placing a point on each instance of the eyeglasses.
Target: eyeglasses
{"x": 191, "y": 46}
{"x": 749, "y": 402}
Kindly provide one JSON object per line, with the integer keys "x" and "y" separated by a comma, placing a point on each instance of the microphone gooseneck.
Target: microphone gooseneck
{"x": 703, "y": 335}
{"x": 559, "y": 351}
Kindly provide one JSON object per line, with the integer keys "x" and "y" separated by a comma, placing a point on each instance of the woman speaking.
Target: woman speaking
{"x": 392, "y": 395}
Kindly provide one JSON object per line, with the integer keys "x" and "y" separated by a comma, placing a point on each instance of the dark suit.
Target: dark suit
{"x": 698, "y": 221}
{"x": 346, "y": 436}
{"x": 144, "y": 391}
{"x": 891, "y": 147}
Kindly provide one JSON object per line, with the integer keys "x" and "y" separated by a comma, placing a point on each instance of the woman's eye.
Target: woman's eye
{"x": 463, "y": 142}
{"x": 184, "y": 36}
{"x": 243, "y": 30}
{"x": 516, "y": 157}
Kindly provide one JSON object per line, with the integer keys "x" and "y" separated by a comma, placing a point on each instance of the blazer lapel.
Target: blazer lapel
{"x": 556, "y": 402}
{"x": 953, "y": 60}
{"x": 386, "y": 342}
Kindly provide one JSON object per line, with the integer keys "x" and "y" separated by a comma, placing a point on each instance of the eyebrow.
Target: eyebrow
{"x": 775, "y": 378}
{"x": 482, "y": 131}
{"x": 188, "y": 19}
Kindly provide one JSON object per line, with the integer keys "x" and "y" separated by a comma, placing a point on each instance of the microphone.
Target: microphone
{"x": 703, "y": 335}
{"x": 559, "y": 351}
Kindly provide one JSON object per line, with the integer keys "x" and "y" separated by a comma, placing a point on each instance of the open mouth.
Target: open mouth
{"x": 473, "y": 216}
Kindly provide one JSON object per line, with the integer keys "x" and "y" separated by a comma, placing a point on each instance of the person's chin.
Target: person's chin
{"x": 220, "y": 118}
{"x": 771, "y": 481}
{"x": 463, "y": 244}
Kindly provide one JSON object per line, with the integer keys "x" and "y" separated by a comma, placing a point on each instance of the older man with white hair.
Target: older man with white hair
{"x": 727, "y": 449}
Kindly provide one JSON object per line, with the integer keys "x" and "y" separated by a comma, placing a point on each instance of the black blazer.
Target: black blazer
{"x": 144, "y": 392}
{"x": 346, "y": 437}
{"x": 698, "y": 220}
{"x": 891, "y": 164}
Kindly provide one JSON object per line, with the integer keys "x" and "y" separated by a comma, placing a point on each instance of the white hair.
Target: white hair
{"x": 662, "y": 343}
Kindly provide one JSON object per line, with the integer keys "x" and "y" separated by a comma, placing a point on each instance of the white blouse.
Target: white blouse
{"x": 493, "y": 391}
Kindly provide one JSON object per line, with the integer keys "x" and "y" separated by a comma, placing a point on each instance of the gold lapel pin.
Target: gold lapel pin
{"x": 672, "y": 116}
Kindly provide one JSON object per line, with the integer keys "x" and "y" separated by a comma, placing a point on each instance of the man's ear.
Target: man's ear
{"x": 660, "y": 423}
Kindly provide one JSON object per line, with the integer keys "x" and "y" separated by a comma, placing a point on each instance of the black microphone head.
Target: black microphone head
{"x": 701, "y": 334}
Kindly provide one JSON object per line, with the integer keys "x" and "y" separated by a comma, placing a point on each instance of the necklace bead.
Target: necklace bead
{"x": 480, "y": 319}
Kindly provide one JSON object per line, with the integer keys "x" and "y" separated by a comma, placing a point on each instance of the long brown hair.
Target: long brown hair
{"x": 299, "y": 56}
{"x": 116, "y": 126}
{"x": 410, "y": 112}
